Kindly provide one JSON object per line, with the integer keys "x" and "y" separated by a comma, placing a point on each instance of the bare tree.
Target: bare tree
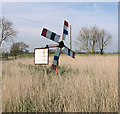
{"x": 91, "y": 40}
{"x": 83, "y": 39}
{"x": 88, "y": 39}
{"x": 104, "y": 40}
{"x": 8, "y": 31}
{"x": 94, "y": 36}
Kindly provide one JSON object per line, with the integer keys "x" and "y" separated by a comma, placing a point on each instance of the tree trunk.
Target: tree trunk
{"x": 101, "y": 51}
{"x": 93, "y": 46}
{"x": 0, "y": 43}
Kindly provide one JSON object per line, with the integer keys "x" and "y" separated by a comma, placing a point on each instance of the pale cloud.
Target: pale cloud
{"x": 60, "y": 0}
{"x": 0, "y": 9}
{"x": 95, "y": 5}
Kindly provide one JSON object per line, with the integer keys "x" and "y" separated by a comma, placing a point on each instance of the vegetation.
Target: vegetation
{"x": 19, "y": 48}
{"x": 85, "y": 84}
{"x": 92, "y": 40}
{"x": 8, "y": 32}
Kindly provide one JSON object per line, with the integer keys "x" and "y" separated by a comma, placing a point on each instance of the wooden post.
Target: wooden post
{"x": 63, "y": 31}
{"x": 57, "y": 70}
{"x": 70, "y": 39}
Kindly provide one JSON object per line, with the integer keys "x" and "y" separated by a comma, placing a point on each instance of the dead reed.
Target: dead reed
{"x": 85, "y": 84}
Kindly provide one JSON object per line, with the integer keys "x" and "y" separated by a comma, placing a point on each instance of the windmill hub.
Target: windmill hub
{"x": 61, "y": 44}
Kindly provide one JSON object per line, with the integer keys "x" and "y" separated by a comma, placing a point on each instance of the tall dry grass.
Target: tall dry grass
{"x": 86, "y": 83}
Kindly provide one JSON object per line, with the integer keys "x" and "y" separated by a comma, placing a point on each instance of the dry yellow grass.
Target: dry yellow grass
{"x": 86, "y": 83}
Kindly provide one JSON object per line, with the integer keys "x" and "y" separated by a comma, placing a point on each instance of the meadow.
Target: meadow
{"x": 84, "y": 84}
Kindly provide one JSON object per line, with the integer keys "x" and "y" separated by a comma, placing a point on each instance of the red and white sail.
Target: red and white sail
{"x": 69, "y": 52}
{"x": 56, "y": 58}
{"x": 50, "y": 35}
{"x": 65, "y": 30}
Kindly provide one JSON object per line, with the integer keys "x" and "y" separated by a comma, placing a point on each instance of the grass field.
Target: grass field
{"x": 84, "y": 84}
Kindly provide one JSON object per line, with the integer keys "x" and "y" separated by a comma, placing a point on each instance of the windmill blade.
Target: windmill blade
{"x": 65, "y": 30}
{"x": 69, "y": 52}
{"x": 50, "y": 35}
{"x": 56, "y": 58}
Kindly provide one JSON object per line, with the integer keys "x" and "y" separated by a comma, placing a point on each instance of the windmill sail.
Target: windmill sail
{"x": 50, "y": 35}
{"x": 69, "y": 52}
{"x": 55, "y": 37}
{"x": 65, "y": 30}
{"x": 56, "y": 58}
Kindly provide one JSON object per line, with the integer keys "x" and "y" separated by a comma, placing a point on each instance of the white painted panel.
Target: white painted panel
{"x": 57, "y": 37}
{"x": 66, "y": 50}
{"x": 41, "y": 56}
{"x": 57, "y": 52}
{"x": 54, "y": 62}
{"x": 48, "y": 34}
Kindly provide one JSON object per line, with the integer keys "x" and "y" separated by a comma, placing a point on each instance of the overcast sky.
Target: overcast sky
{"x": 29, "y": 19}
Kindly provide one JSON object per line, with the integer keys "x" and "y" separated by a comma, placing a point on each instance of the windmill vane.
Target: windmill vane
{"x": 55, "y": 37}
{"x": 50, "y": 35}
{"x": 65, "y": 30}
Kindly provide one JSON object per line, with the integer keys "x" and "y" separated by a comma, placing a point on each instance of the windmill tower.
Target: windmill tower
{"x": 60, "y": 44}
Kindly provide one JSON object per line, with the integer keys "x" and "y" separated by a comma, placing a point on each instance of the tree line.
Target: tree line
{"x": 7, "y": 34}
{"x": 90, "y": 40}
{"x": 93, "y": 40}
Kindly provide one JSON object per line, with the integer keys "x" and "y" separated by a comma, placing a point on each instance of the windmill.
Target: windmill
{"x": 60, "y": 44}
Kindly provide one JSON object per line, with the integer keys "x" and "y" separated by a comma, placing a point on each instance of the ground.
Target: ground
{"x": 84, "y": 84}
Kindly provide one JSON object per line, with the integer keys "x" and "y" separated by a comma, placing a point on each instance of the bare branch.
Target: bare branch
{"x": 93, "y": 39}
{"x": 8, "y": 31}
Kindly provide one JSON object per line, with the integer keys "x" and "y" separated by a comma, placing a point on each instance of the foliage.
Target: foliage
{"x": 19, "y": 48}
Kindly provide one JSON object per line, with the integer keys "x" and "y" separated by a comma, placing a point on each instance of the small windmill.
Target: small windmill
{"x": 55, "y": 37}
